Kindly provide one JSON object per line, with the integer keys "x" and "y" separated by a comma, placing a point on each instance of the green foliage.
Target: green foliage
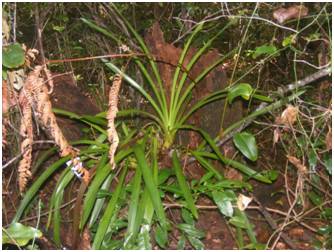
{"x": 246, "y": 143}
{"x": 190, "y": 202}
{"x": 264, "y": 50}
{"x": 161, "y": 236}
{"x": 224, "y": 202}
{"x": 243, "y": 89}
{"x": 19, "y": 235}
{"x": 12, "y": 56}
{"x": 130, "y": 215}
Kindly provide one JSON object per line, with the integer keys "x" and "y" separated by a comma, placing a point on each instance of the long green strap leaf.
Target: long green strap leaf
{"x": 105, "y": 220}
{"x": 180, "y": 63}
{"x": 30, "y": 194}
{"x": 184, "y": 186}
{"x": 99, "y": 203}
{"x": 195, "y": 58}
{"x": 102, "y": 171}
{"x": 150, "y": 184}
{"x": 134, "y": 210}
{"x": 205, "y": 72}
{"x": 207, "y": 165}
{"x": 146, "y": 51}
{"x": 99, "y": 29}
{"x": 63, "y": 183}
{"x": 135, "y": 85}
{"x": 241, "y": 167}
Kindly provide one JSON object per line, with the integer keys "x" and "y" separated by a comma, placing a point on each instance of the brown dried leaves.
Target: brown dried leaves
{"x": 34, "y": 97}
{"x": 297, "y": 163}
{"x": 26, "y": 145}
{"x": 288, "y": 117}
{"x": 112, "y": 112}
{"x": 284, "y": 14}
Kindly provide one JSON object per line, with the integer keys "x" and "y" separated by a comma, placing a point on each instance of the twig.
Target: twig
{"x": 311, "y": 65}
{"x": 48, "y": 212}
{"x": 19, "y": 155}
{"x": 39, "y": 33}
{"x": 317, "y": 75}
{"x": 272, "y": 223}
{"x": 242, "y": 17}
{"x": 96, "y": 57}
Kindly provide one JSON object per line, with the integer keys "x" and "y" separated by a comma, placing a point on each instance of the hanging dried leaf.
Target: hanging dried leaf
{"x": 30, "y": 55}
{"x": 284, "y": 14}
{"x": 297, "y": 163}
{"x": 35, "y": 97}
{"x": 289, "y": 116}
{"x": 26, "y": 131}
{"x": 112, "y": 133}
{"x": 5, "y": 108}
{"x": 38, "y": 93}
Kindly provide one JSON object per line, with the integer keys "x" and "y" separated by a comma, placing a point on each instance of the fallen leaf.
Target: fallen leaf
{"x": 297, "y": 163}
{"x": 288, "y": 116}
{"x": 277, "y": 135}
{"x": 296, "y": 232}
{"x": 243, "y": 202}
{"x": 280, "y": 246}
{"x": 284, "y": 14}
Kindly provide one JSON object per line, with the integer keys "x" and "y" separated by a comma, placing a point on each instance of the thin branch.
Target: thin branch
{"x": 311, "y": 65}
{"x": 39, "y": 33}
{"x": 19, "y": 155}
{"x": 96, "y": 57}
{"x": 242, "y": 17}
{"x": 264, "y": 107}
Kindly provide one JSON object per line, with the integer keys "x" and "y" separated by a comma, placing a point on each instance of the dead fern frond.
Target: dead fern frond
{"x": 112, "y": 112}
{"x": 26, "y": 131}
{"x": 47, "y": 118}
{"x": 35, "y": 98}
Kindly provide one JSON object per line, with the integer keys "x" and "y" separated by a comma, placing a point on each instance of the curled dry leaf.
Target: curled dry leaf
{"x": 36, "y": 94}
{"x": 112, "y": 133}
{"x": 85, "y": 240}
{"x": 277, "y": 135}
{"x": 296, "y": 232}
{"x": 280, "y": 246}
{"x": 26, "y": 145}
{"x": 284, "y": 14}
{"x": 289, "y": 116}
{"x": 243, "y": 202}
{"x": 5, "y": 98}
{"x": 297, "y": 163}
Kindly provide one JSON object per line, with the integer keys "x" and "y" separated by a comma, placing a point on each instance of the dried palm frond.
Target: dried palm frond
{"x": 35, "y": 98}
{"x": 26, "y": 131}
{"x": 112, "y": 133}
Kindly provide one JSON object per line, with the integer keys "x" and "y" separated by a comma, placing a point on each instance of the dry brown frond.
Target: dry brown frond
{"x": 112, "y": 133}
{"x": 35, "y": 97}
{"x": 26, "y": 131}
